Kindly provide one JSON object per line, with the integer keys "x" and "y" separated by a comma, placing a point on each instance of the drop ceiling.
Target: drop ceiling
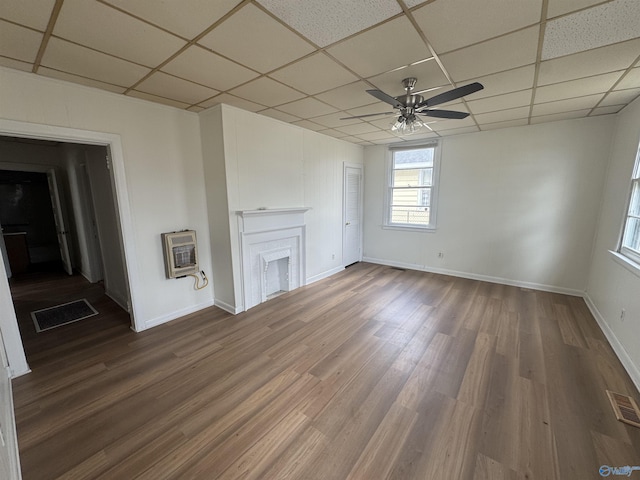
{"x": 309, "y": 62}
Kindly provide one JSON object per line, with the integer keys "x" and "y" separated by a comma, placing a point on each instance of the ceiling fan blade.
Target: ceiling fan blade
{"x": 444, "y": 114}
{"x": 380, "y": 95}
{"x": 368, "y": 115}
{"x": 451, "y": 95}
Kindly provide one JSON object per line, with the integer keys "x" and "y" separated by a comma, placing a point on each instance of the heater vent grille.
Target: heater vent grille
{"x": 625, "y": 408}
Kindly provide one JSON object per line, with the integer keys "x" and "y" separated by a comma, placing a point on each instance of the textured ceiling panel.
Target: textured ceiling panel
{"x": 253, "y": 38}
{"x": 310, "y": 62}
{"x": 595, "y": 27}
{"x": 473, "y": 20}
{"x": 328, "y": 21}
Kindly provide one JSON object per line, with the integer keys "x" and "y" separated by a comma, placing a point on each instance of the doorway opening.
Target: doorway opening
{"x": 61, "y": 235}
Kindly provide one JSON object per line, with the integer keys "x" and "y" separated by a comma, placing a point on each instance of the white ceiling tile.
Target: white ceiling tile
{"x": 309, "y": 125}
{"x": 335, "y": 120}
{"x": 348, "y": 96}
{"x": 377, "y": 107}
{"x": 187, "y": 18}
{"x": 19, "y": 43}
{"x": 278, "y": 115}
{"x": 505, "y": 82}
{"x": 561, "y": 106}
{"x": 48, "y": 72}
{"x": 357, "y": 128}
{"x": 351, "y": 139}
{"x": 620, "y": 97}
{"x": 233, "y": 101}
{"x": 605, "y": 24}
{"x": 328, "y": 21}
{"x": 115, "y": 33}
{"x": 424, "y": 134}
{"x": 577, "y": 88}
{"x": 267, "y": 92}
{"x": 383, "y": 48}
{"x": 386, "y": 140}
{"x": 505, "y": 124}
{"x": 253, "y": 38}
{"x": 501, "y": 102}
{"x": 593, "y": 62}
{"x": 175, "y": 88}
{"x": 503, "y": 53}
{"x": 413, "y": 3}
{"x": 16, "y": 64}
{"x": 606, "y": 110}
{"x": 502, "y": 115}
{"x": 195, "y": 108}
{"x": 428, "y": 73}
{"x": 333, "y": 133}
{"x": 560, "y": 7}
{"x": 156, "y": 99}
{"x": 440, "y": 125}
{"x": 458, "y": 131}
{"x": 202, "y": 66}
{"x": 72, "y": 58}
{"x": 630, "y": 80}
{"x": 560, "y": 116}
{"x": 474, "y": 21}
{"x": 381, "y": 135}
{"x": 32, "y": 13}
{"x": 307, "y": 107}
{"x": 314, "y": 74}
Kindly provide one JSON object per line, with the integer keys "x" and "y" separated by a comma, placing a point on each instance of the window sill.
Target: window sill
{"x": 628, "y": 264}
{"x": 408, "y": 228}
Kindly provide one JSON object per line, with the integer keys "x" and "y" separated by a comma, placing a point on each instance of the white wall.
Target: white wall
{"x": 272, "y": 164}
{"x": 162, "y": 169}
{"x": 612, "y": 287}
{"x": 517, "y": 206}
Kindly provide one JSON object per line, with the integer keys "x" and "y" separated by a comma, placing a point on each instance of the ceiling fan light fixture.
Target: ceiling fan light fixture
{"x": 407, "y": 125}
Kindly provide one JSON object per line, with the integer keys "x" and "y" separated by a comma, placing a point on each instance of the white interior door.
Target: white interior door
{"x": 61, "y": 229}
{"x": 352, "y": 208}
{"x": 9, "y": 457}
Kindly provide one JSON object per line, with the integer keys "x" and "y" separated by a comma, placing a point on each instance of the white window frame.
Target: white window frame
{"x": 629, "y": 253}
{"x": 435, "y": 180}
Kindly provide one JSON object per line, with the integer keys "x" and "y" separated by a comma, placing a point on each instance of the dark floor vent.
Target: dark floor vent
{"x": 399, "y": 269}
{"x": 625, "y": 408}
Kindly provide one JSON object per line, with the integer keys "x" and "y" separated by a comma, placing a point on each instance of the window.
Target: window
{"x": 411, "y": 187}
{"x": 630, "y": 245}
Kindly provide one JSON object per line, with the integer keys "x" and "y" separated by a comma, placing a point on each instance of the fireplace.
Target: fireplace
{"x": 273, "y": 253}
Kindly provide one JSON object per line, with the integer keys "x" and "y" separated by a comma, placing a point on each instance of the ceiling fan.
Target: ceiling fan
{"x": 412, "y": 104}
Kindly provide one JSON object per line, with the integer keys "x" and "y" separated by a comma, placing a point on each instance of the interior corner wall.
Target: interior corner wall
{"x": 162, "y": 158}
{"x": 515, "y": 206}
{"x": 215, "y": 178}
{"x": 272, "y": 164}
{"x": 612, "y": 287}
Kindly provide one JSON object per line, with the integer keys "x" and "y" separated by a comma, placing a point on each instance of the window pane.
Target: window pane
{"x": 632, "y": 234}
{"x": 412, "y": 177}
{"x": 410, "y": 215}
{"x": 419, "y": 158}
{"x": 418, "y": 197}
{"x": 634, "y": 204}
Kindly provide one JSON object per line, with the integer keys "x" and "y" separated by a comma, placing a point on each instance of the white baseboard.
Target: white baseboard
{"x": 324, "y": 275}
{"x": 628, "y": 364}
{"x": 154, "y": 322}
{"x": 477, "y": 276}
{"x": 227, "y": 307}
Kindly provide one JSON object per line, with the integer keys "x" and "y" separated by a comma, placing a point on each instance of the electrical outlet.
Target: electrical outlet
{"x": 333, "y": 256}
{"x": 440, "y": 254}
{"x": 623, "y": 312}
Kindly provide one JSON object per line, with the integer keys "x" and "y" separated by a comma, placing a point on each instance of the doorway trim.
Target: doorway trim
{"x": 113, "y": 143}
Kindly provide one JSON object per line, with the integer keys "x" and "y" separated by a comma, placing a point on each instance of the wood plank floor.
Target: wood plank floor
{"x": 373, "y": 373}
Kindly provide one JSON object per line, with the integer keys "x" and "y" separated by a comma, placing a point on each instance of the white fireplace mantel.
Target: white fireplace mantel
{"x": 263, "y": 232}
{"x": 266, "y": 219}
